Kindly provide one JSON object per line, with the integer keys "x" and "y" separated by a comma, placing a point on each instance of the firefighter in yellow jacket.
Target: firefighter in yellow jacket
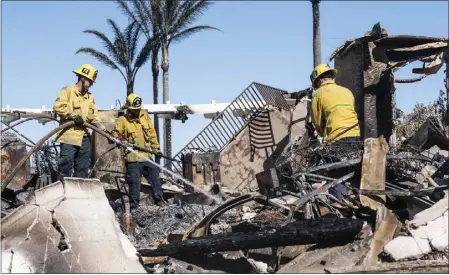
{"x": 76, "y": 103}
{"x": 333, "y": 114}
{"x": 135, "y": 127}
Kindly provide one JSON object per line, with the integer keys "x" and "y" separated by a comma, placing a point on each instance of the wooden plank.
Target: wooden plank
{"x": 373, "y": 178}
{"x": 373, "y": 169}
{"x": 316, "y": 259}
{"x": 320, "y": 231}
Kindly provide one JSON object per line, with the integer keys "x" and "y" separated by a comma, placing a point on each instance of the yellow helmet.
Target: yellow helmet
{"x": 87, "y": 71}
{"x": 321, "y": 69}
{"x": 134, "y": 102}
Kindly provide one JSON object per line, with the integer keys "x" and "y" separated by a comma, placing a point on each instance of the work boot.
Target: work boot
{"x": 161, "y": 203}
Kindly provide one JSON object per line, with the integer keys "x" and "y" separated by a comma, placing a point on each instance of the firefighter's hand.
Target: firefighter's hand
{"x": 78, "y": 120}
{"x": 158, "y": 154}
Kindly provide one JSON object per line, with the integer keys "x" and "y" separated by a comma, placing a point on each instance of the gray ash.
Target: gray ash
{"x": 9, "y": 137}
{"x": 153, "y": 223}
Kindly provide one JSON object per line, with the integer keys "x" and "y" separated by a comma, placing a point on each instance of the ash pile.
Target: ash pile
{"x": 354, "y": 207}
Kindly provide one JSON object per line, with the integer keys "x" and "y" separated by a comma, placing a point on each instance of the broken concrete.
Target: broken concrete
{"x": 405, "y": 247}
{"x": 431, "y": 230}
{"x": 432, "y": 213}
{"x": 68, "y": 228}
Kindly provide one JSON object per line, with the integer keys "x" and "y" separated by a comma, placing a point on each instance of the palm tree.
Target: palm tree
{"x": 171, "y": 22}
{"x": 121, "y": 54}
{"x": 139, "y": 13}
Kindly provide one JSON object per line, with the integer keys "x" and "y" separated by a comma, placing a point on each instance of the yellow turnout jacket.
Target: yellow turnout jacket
{"x": 333, "y": 112}
{"x": 71, "y": 102}
{"x": 139, "y": 131}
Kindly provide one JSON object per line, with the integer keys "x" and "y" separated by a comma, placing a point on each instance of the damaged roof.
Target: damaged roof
{"x": 401, "y": 50}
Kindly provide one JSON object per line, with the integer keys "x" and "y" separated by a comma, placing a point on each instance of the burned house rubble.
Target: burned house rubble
{"x": 260, "y": 195}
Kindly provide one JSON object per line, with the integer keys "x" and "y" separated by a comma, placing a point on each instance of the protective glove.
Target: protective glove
{"x": 158, "y": 154}
{"x": 78, "y": 120}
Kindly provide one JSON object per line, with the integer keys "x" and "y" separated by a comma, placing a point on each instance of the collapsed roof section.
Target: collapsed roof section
{"x": 367, "y": 65}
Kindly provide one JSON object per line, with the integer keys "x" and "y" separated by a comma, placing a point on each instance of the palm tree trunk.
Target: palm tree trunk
{"x": 165, "y": 98}
{"x": 155, "y": 70}
{"x": 316, "y": 32}
{"x": 129, "y": 87}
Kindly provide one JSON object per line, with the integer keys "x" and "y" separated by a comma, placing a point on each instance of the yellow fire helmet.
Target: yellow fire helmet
{"x": 87, "y": 71}
{"x": 321, "y": 69}
{"x": 134, "y": 102}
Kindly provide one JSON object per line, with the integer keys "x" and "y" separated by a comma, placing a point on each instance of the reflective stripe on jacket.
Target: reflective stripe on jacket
{"x": 139, "y": 131}
{"x": 333, "y": 112}
{"x": 71, "y": 102}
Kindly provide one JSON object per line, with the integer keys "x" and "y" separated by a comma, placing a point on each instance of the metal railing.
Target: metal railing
{"x": 224, "y": 128}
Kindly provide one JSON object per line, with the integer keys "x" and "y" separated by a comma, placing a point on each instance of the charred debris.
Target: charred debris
{"x": 375, "y": 206}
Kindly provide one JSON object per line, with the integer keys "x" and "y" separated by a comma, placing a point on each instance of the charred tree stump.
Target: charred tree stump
{"x": 321, "y": 231}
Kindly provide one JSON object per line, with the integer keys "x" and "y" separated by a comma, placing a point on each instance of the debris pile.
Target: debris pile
{"x": 359, "y": 206}
{"x": 153, "y": 224}
{"x": 387, "y": 204}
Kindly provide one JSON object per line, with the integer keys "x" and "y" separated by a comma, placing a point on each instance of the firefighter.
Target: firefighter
{"x": 135, "y": 127}
{"x": 333, "y": 114}
{"x": 334, "y": 117}
{"x": 76, "y": 103}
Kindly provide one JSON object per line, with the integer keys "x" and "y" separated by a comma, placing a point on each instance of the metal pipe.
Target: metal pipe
{"x": 51, "y": 133}
{"x": 24, "y": 120}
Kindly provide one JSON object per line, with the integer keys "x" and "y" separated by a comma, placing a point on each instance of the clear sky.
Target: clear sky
{"x": 265, "y": 41}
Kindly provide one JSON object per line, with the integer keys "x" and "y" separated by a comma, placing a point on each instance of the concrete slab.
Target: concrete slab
{"x": 405, "y": 247}
{"x": 49, "y": 196}
{"x": 432, "y": 213}
{"x": 436, "y": 228}
{"x": 15, "y": 226}
{"x": 441, "y": 243}
{"x": 80, "y": 236}
{"x": 419, "y": 233}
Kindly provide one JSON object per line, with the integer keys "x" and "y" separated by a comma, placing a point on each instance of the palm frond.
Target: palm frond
{"x": 188, "y": 32}
{"x": 143, "y": 13}
{"x": 106, "y": 43}
{"x": 171, "y": 10}
{"x": 119, "y": 42}
{"x": 101, "y": 57}
{"x": 155, "y": 9}
{"x": 129, "y": 30}
{"x": 123, "y": 6}
{"x": 134, "y": 42}
{"x": 144, "y": 55}
{"x": 117, "y": 32}
{"x": 131, "y": 36}
{"x": 189, "y": 15}
{"x": 132, "y": 13}
{"x": 184, "y": 6}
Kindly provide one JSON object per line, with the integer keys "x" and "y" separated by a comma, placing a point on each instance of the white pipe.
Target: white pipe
{"x": 209, "y": 110}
